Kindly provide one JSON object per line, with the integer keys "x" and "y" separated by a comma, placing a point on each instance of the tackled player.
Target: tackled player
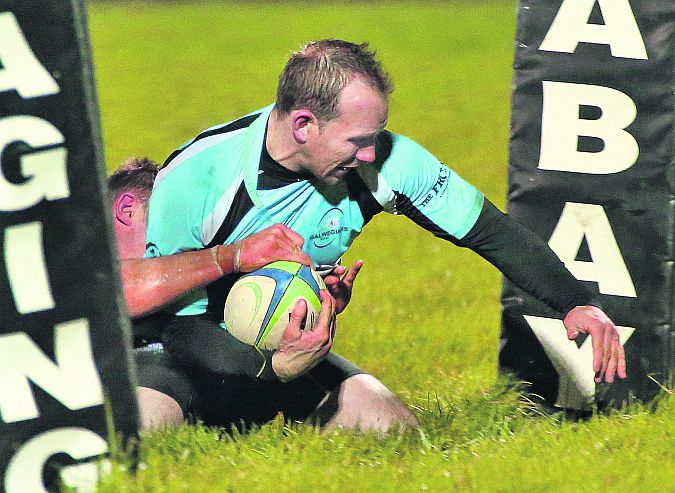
{"x": 320, "y": 161}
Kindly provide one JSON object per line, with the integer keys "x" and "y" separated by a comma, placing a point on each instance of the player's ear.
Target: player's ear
{"x": 124, "y": 208}
{"x": 304, "y": 123}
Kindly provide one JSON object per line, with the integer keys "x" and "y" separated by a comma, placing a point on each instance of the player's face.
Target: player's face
{"x": 345, "y": 142}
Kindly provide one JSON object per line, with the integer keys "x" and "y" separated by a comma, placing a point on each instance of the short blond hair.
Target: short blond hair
{"x": 315, "y": 76}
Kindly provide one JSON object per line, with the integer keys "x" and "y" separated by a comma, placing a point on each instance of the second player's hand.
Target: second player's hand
{"x": 300, "y": 350}
{"x": 340, "y": 283}
{"x": 608, "y": 354}
{"x": 277, "y": 242}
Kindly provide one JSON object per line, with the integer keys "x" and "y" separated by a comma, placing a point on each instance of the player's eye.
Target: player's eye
{"x": 362, "y": 142}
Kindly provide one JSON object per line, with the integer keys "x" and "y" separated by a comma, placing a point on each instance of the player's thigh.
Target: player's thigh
{"x": 242, "y": 401}
{"x": 162, "y": 388}
{"x": 332, "y": 371}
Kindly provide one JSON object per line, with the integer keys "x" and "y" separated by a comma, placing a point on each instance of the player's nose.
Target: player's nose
{"x": 366, "y": 154}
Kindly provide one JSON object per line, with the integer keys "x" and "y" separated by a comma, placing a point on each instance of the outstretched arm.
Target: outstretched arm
{"x": 529, "y": 263}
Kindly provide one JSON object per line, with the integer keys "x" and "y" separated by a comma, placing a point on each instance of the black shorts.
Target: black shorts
{"x": 238, "y": 400}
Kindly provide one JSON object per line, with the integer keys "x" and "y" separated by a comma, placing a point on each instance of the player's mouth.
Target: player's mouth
{"x": 341, "y": 171}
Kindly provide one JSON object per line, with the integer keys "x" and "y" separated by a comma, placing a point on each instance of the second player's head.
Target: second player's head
{"x": 130, "y": 187}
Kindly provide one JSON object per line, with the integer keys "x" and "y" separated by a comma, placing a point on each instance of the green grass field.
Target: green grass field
{"x": 425, "y": 315}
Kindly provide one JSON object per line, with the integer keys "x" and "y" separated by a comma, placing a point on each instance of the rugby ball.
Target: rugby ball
{"x": 259, "y": 305}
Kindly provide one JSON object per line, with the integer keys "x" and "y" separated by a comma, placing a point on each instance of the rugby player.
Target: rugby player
{"x": 320, "y": 161}
{"x": 335, "y": 393}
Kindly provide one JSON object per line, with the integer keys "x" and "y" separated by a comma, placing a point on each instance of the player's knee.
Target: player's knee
{"x": 367, "y": 404}
{"x": 157, "y": 409}
{"x": 390, "y": 410}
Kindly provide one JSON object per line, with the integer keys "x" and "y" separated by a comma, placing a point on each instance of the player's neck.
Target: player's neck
{"x": 130, "y": 242}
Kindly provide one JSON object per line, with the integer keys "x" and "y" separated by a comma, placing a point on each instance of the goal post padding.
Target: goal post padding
{"x": 65, "y": 344}
{"x": 591, "y": 171}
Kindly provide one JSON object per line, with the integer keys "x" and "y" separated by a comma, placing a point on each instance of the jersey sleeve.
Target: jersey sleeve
{"x": 428, "y": 192}
{"x": 526, "y": 260}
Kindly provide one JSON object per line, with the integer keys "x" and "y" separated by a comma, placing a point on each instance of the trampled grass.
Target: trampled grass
{"x": 425, "y": 315}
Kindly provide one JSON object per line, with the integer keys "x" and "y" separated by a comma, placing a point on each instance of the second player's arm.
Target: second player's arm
{"x": 152, "y": 283}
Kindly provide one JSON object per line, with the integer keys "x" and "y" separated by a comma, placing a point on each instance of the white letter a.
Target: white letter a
{"x": 607, "y": 267}
{"x": 620, "y": 31}
{"x": 22, "y": 71}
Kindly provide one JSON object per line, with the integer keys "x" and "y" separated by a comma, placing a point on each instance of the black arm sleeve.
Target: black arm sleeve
{"x": 526, "y": 260}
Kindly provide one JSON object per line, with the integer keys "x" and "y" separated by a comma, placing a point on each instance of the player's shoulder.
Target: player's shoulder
{"x": 398, "y": 155}
{"x": 394, "y": 147}
{"x": 214, "y": 154}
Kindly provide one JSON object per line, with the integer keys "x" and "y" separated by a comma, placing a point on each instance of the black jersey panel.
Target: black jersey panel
{"x": 241, "y": 204}
{"x": 218, "y": 290}
{"x": 405, "y": 206}
{"x": 359, "y": 192}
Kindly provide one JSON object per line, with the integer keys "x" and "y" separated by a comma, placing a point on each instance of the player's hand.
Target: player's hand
{"x": 340, "y": 283}
{"x": 608, "y": 355}
{"x": 277, "y": 242}
{"x": 300, "y": 350}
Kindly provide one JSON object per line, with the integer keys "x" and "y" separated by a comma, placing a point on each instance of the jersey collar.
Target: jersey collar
{"x": 253, "y": 142}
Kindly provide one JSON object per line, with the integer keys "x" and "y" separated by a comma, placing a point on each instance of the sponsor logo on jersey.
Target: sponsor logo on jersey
{"x": 152, "y": 251}
{"x": 330, "y": 228}
{"x": 438, "y": 187}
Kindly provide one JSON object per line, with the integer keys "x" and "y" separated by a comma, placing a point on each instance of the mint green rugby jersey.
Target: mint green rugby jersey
{"x": 207, "y": 193}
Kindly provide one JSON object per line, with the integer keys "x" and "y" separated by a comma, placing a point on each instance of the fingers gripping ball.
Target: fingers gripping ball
{"x": 259, "y": 305}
